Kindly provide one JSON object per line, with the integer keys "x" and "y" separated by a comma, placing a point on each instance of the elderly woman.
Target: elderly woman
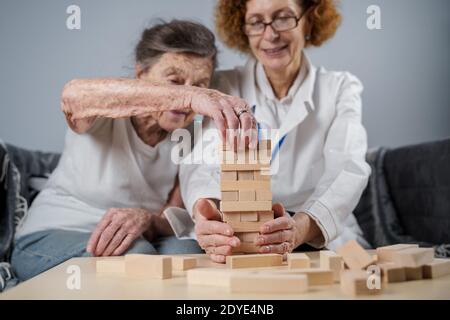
{"x": 116, "y": 176}
{"x": 322, "y": 143}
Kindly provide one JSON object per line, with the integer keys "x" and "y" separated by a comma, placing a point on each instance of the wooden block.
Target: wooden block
{"x": 181, "y": 263}
{"x": 231, "y": 218}
{"x": 244, "y": 185}
{"x": 230, "y": 206}
{"x": 333, "y": 261}
{"x": 268, "y": 283}
{"x": 245, "y": 175}
{"x": 265, "y": 216}
{"x": 209, "y": 277}
{"x": 227, "y": 157}
{"x": 249, "y": 216}
{"x": 247, "y": 167}
{"x": 254, "y": 261}
{"x": 228, "y": 176}
{"x": 247, "y": 195}
{"x": 298, "y": 261}
{"x": 230, "y": 196}
{"x": 391, "y": 273}
{"x": 415, "y": 273}
{"x": 264, "y": 151}
{"x": 110, "y": 265}
{"x": 245, "y": 226}
{"x": 354, "y": 256}
{"x": 249, "y": 237}
{"x": 413, "y": 257}
{"x": 246, "y": 247}
{"x": 148, "y": 266}
{"x": 354, "y": 283}
{"x": 262, "y": 174}
{"x": 384, "y": 254}
{"x": 437, "y": 268}
{"x": 316, "y": 276}
{"x": 263, "y": 195}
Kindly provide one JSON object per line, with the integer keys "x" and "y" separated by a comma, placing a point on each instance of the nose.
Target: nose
{"x": 270, "y": 34}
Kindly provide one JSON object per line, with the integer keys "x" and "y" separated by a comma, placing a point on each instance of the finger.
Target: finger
{"x": 217, "y": 240}
{"x": 93, "y": 240}
{"x": 218, "y": 258}
{"x": 278, "y": 210}
{"x": 126, "y": 243}
{"x": 223, "y": 250}
{"x": 276, "y": 248}
{"x": 219, "y": 120}
{"x": 230, "y": 116}
{"x": 213, "y": 227}
{"x": 115, "y": 242}
{"x": 275, "y": 238}
{"x": 105, "y": 238}
{"x": 277, "y": 225}
{"x": 208, "y": 210}
{"x": 249, "y": 130}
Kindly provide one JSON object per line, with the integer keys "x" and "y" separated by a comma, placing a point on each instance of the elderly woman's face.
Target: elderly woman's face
{"x": 276, "y": 50}
{"x": 178, "y": 69}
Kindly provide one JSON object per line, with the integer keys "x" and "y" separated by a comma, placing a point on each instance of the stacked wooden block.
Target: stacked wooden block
{"x": 246, "y": 196}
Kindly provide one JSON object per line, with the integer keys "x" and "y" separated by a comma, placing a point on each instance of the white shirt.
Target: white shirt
{"x": 322, "y": 167}
{"x": 108, "y": 167}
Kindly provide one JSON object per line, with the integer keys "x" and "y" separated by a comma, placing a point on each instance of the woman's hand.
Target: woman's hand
{"x": 213, "y": 236}
{"x": 229, "y": 114}
{"x": 117, "y": 231}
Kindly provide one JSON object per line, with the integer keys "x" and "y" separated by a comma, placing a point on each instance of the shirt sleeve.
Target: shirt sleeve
{"x": 346, "y": 171}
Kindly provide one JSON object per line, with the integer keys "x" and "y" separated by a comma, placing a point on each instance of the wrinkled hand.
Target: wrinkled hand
{"x": 228, "y": 115}
{"x": 213, "y": 235}
{"x": 117, "y": 231}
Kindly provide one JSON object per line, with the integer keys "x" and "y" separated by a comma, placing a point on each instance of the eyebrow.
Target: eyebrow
{"x": 173, "y": 70}
{"x": 285, "y": 9}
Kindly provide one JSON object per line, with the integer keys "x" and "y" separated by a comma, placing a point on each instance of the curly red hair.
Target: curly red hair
{"x": 323, "y": 20}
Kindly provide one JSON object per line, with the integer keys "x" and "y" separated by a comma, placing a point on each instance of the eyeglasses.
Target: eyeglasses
{"x": 278, "y": 24}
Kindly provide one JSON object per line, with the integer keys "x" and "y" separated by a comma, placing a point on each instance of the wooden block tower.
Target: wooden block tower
{"x": 246, "y": 195}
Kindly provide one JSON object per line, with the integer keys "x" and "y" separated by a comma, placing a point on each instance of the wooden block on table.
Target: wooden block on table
{"x": 354, "y": 256}
{"x": 263, "y": 195}
{"x": 268, "y": 283}
{"x": 333, "y": 261}
{"x": 316, "y": 276}
{"x": 228, "y": 176}
{"x": 240, "y": 226}
{"x": 247, "y": 195}
{"x": 231, "y": 206}
{"x": 437, "y": 268}
{"x": 249, "y": 237}
{"x": 256, "y": 167}
{"x": 230, "y": 196}
{"x": 244, "y": 185}
{"x": 298, "y": 261}
{"x": 262, "y": 174}
{"x": 354, "y": 283}
{"x": 246, "y": 247}
{"x": 209, "y": 277}
{"x": 245, "y": 175}
{"x": 254, "y": 261}
{"x": 110, "y": 265}
{"x": 265, "y": 216}
{"x": 415, "y": 273}
{"x": 181, "y": 263}
{"x": 148, "y": 266}
{"x": 249, "y": 216}
{"x": 384, "y": 254}
{"x": 413, "y": 257}
{"x": 231, "y": 218}
{"x": 391, "y": 273}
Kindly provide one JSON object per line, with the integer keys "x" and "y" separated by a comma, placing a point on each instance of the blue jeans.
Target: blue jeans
{"x": 40, "y": 251}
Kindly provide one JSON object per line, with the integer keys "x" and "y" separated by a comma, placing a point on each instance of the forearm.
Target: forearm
{"x": 307, "y": 229}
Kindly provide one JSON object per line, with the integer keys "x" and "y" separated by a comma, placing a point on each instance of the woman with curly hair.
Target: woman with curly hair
{"x": 322, "y": 142}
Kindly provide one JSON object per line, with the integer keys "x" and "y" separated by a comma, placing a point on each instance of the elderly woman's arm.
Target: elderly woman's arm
{"x": 84, "y": 100}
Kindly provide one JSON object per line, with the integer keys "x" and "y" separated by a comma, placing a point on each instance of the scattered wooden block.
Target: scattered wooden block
{"x": 231, "y": 206}
{"x": 415, "y": 273}
{"x": 254, "y": 261}
{"x": 298, "y": 261}
{"x": 333, "y": 261}
{"x": 437, "y": 268}
{"x": 391, "y": 273}
{"x": 240, "y": 226}
{"x": 110, "y": 265}
{"x": 231, "y": 218}
{"x": 262, "y": 174}
{"x": 316, "y": 276}
{"x": 246, "y": 247}
{"x": 354, "y": 256}
{"x": 384, "y": 254}
{"x": 249, "y": 216}
{"x": 268, "y": 283}
{"x": 181, "y": 263}
{"x": 228, "y": 176}
{"x": 244, "y": 185}
{"x": 263, "y": 195}
{"x": 209, "y": 277}
{"x": 413, "y": 257}
{"x": 230, "y": 196}
{"x": 246, "y": 195}
{"x": 148, "y": 266}
{"x": 354, "y": 283}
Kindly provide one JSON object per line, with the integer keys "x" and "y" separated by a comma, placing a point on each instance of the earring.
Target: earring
{"x": 308, "y": 37}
